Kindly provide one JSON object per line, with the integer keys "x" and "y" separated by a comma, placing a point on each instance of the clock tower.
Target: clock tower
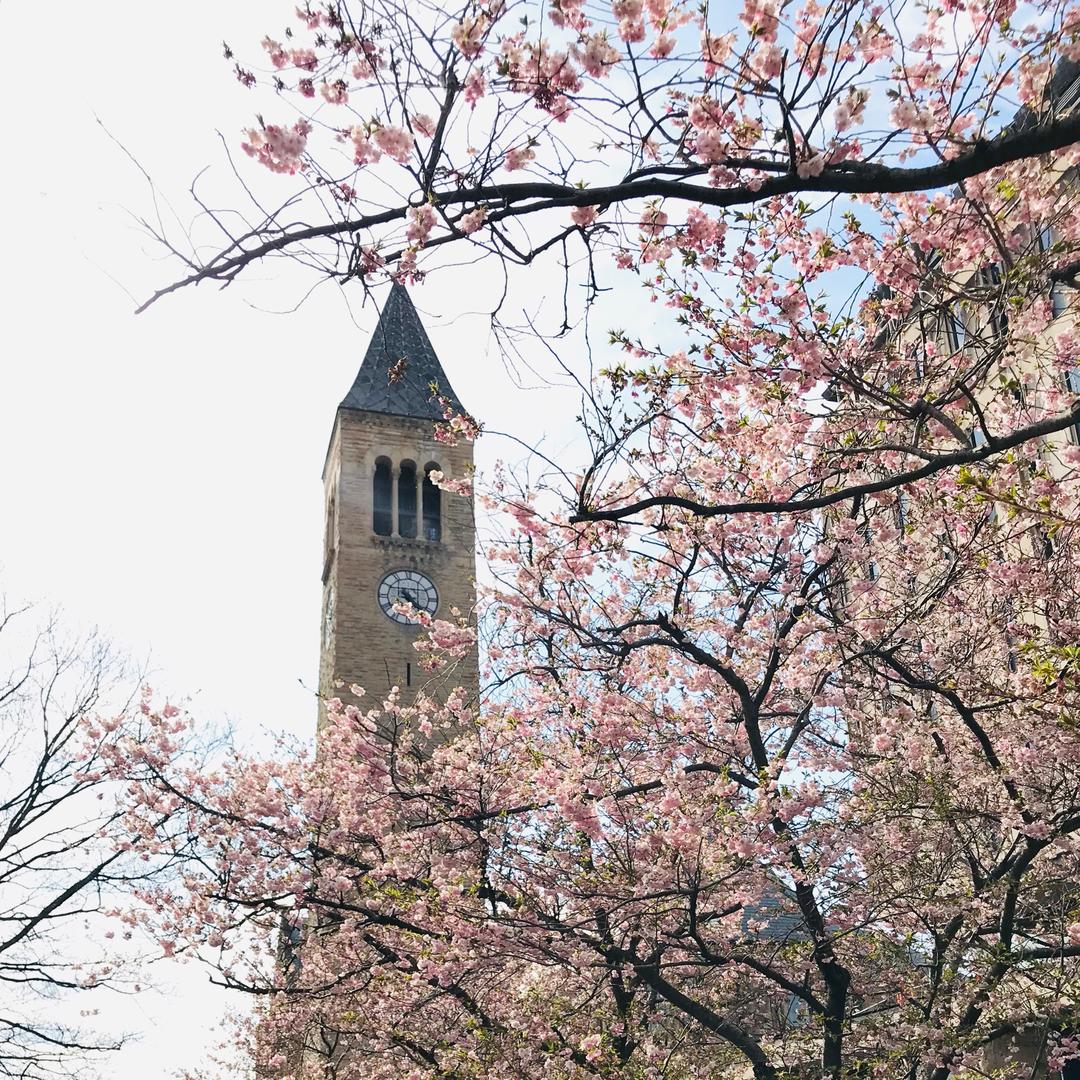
{"x": 391, "y": 534}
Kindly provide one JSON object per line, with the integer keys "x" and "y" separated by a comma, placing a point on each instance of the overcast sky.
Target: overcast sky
{"x": 159, "y": 474}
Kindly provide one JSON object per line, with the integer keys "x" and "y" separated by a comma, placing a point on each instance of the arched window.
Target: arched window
{"x": 381, "y": 498}
{"x": 432, "y": 501}
{"x": 406, "y": 500}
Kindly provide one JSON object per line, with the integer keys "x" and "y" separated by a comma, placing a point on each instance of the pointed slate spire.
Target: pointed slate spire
{"x": 401, "y": 375}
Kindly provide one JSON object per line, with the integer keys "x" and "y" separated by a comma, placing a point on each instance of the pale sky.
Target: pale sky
{"x": 160, "y": 473}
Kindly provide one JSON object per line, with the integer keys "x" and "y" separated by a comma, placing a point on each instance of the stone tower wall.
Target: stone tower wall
{"x": 364, "y": 646}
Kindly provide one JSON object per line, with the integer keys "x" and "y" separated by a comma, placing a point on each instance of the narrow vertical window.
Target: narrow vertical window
{"x": 1072, "y": 383}
{"x": 381, "y": 487}
{"x": 432, "y": 501}
{"x": 1059, "y": 299}
{"x": 406, "y": 506}
{"x": 999, "y": 318}
{"x": 329, "y": 540}
{"x": 920, "y": 348}
{"x": 868, "y": 540}
{"x": 901, "y": 509}
{"x": 955, "y": 329}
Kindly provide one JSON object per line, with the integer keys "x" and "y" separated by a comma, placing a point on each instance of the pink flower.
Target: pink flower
{"x": 849, "y": 110}
{"x": 518, "y": 157}
{"x": 705, "y": 113}
{"x": 760, "y": 18}
{"x": 740, "y": 846}
{"x": 568, "y": 13}
{"x": 472, "y": 221}
{"x": 423, "y": 123}
{"x": 475, "y": 87}
{"x": 468, "y": 36}
{"x": 907, "y": 114}
{"x": 406, "y": 267}
{"x": 768, "y": 62}
{"x": 304, "y": 59}
{"x": 368, "y": 61}
{"x": 583, "y": 215}
{"x": 812, "y": 166}
{"x": 702, "y": 231}
{"x": 598, "y": 55}
{"x": 365, "y": 152}
{"x": 336, "y": 93}
{"x": 653, "y": 221}
{"x": 395, "y": 142}
{"x": 276, "y": 53}
{"x": 421, "y": 222}
{"x": 715, "y": 50}
{"x": 590, "y": 1046}
{"x": 660, "y": 13}
{"x": 662, "y": 46}
{"x": 363, "y": 70}
{"x": 709, "y": 146}
{"x": 278, "y": 148}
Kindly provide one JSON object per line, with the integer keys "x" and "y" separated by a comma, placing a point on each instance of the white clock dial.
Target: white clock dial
{"x": 408, "y": 587}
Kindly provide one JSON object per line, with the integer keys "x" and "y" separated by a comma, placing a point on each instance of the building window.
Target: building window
{"x": 901, "y": 509}
{"x": 868, "y": 540}
{"x": 432, "y": 501}
{"x": 955, "y": 328}
{"x": 1059, "y": 295}
{"x": 1059, "y": 298}
{"x": 330, "y": 540}
{"x": 1072, "y": 382}
{"x": 328, "y": 616}
{"x": 998, "y": 317}
{"x": 406, "y": 506}
{"x": 382, "y": 498}
{"x": 331, "y": 521}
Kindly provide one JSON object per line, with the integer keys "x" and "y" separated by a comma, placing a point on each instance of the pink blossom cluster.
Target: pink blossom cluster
{"x": 279, "y": 149}
{"x": 473, "y": 221}
{"x": 421, "y": 221}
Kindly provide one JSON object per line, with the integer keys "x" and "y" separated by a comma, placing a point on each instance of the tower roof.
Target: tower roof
{"x": 401, "y": 375}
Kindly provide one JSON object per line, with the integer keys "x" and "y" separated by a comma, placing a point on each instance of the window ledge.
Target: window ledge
{"x": 406, "y": 541}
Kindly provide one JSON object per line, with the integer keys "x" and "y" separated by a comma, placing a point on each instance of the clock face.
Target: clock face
{"x": 409, "y": 587}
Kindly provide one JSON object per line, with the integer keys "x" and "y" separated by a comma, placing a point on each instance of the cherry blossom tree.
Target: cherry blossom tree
{"x": 753, "y": 174}
{"x": 723, "y": 817}
{"x": 66, "y": 857}
{"x": 778, "y": 769}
